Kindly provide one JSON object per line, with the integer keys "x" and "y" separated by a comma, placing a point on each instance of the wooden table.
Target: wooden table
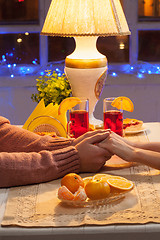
{"x": 128, "y": 232}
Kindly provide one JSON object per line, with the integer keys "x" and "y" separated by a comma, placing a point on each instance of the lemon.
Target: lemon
{"x": 67, "y": 104}
{"x": 123, "y": 103}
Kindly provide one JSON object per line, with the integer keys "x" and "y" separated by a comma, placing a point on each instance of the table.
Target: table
{"x": 137, "y": 231}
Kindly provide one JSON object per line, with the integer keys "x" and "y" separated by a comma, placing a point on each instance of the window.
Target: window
{"x": 149, "y": 10}
{"x": 149, "y": 46}
{"x": 19, "y": 11}
{"x": 21, "y": 22}
{"x": 20, "y": 48}
{"x": 116, "y": 48}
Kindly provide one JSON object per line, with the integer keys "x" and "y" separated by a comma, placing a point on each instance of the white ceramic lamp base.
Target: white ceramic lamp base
{"x": 86, "y": 70}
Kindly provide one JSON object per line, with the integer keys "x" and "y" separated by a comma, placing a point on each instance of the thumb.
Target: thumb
{"x": 98, "y": 137}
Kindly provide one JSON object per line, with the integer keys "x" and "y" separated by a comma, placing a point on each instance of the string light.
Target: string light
{"x": 19, "y": 40}
{"x": 140, "y": 70}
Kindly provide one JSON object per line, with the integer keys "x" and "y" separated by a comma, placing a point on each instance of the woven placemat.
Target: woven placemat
{"x": 38, "y": 205}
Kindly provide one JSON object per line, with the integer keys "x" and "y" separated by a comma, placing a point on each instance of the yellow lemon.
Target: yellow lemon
{"x": 123, "y": 103}
{"x": 67, "y": 104}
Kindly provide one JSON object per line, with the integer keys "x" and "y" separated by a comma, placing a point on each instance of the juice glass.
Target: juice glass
{"x": 113, "y": 117}
{"x": 79, "y": 119}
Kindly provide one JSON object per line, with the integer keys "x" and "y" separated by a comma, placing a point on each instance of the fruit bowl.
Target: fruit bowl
{"x": 112, "y": 198}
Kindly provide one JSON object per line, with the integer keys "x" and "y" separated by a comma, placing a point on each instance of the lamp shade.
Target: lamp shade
{"x": 85, "y": 18}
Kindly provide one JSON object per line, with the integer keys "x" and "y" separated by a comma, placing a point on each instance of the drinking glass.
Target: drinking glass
{"x": 79, "y": 119}
{"x": 113, "y": 117}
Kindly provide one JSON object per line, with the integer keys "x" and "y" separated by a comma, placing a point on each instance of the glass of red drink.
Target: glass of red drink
{"x": 79, "y": 119}
{"x": 113, "y": 117}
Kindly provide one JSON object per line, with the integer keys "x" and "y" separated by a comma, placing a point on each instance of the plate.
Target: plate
{"x": 112, "y": 198}
{"x": 135, "y": 132}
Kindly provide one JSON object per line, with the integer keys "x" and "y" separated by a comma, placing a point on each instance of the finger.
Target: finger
{"x": 93, "y": 133}
{"x": 97, "y": 138}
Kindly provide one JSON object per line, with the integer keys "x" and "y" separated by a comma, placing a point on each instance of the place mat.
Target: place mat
{"x": 38, "y": 205}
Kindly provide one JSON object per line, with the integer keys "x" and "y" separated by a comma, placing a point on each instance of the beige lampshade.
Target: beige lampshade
{"x": 85, "y": 18}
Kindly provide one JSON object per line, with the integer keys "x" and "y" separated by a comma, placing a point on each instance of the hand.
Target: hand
{"x": 89, "y": 134}
{"x": 92, "y": 157}
{"x": 119, "y": 146}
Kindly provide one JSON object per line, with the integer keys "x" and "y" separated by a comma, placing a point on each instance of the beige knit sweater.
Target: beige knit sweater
{"x": 27, "y": 158}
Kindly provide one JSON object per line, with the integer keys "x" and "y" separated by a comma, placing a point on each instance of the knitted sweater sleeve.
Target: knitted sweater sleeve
{"x": 29, "y": 168}
{"x": 16, "y": 139}
{"x": 27, "y": 158}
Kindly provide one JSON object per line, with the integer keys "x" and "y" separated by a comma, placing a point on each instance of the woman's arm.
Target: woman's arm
{"x": 152, "y": 146}
{"x": 130, "y": 152}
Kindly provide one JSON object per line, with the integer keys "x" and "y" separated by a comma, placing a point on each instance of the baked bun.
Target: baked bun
{"x": 130, "y": 124}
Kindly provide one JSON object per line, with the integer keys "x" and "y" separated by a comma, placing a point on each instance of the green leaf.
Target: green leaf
{"x": 52, "y": 88}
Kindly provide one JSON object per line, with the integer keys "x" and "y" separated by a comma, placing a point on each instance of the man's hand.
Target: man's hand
{"x": 92, "y": 157}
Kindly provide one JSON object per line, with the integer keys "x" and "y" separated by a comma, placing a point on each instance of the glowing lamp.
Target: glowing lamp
{"x": 86, "y": 20}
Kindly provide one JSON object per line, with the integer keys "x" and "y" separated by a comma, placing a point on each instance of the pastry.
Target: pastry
{"x": 130, "y": 124}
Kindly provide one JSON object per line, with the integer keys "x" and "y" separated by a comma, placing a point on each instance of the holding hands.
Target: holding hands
{"x": 118, "y": 145}
{"x": 92, "y": 156}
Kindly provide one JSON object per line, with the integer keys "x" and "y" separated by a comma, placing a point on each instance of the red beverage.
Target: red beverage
{"x": 114, "y": 120}
{"x": 79, "y": 123}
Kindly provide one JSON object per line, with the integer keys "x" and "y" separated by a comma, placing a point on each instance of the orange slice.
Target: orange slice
{"x": 103, "y": 176}
{"x": 123, "y": 103}
{"x": 65, "y": 194}
{"x": 67, "y": 104}
{"x": 120, "y": 184}
{"x": 119, "y": 177}
{"x": 80, "y": 195}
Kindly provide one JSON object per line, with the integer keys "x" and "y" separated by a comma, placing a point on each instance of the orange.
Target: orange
{"x": 86, "y": 180}
{"x": 65, "y": 194}
{"x": 80, "y": 195}
{"x": 102, "y": 176}
{"x": 72, "y": 181}
{"x": 123, "y": 103}
{"x": 97, "y": 189}
{"x": 120, "y": 184}
{"x": 119, "y": 177}
{"x": 67, "y": 104}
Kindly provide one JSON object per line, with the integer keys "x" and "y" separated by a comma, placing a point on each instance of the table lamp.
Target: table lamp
{"x": 86, "y": 20}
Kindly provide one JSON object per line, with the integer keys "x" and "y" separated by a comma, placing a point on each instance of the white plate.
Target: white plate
{"x": 135, "y": 132}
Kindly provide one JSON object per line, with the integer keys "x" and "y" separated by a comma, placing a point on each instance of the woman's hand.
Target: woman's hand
{"x": 92, "y": 157}
{"x": 119, "y": 146}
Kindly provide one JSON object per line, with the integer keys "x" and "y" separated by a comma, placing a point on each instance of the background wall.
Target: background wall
{"x": 16, "y": 103}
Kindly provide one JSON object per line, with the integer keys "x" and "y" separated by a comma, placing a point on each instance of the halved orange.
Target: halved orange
{"x": 120, "y": 184}
{"x": 67, "y": 104}
{"x": 100, "y": 176}
{"x": 119, "y": 177}
{"x": 123, "y": 103}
